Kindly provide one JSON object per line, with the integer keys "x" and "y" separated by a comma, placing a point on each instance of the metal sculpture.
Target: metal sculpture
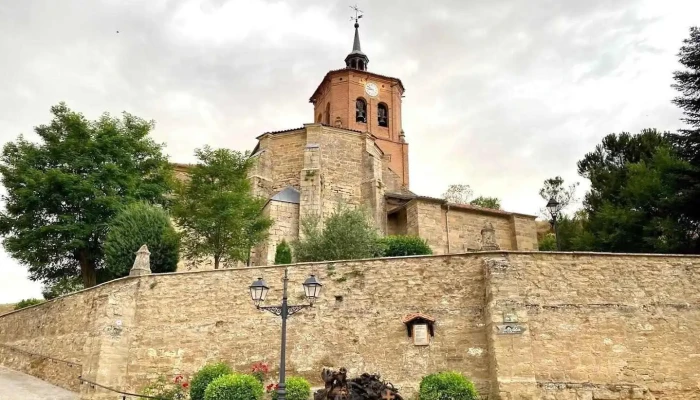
{"x": 364, "y": 387}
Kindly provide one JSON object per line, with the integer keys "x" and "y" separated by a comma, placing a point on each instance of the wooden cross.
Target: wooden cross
{"x": 387, "y": 394}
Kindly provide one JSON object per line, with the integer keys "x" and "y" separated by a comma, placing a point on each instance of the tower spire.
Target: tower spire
{"x": 356, "y": 59}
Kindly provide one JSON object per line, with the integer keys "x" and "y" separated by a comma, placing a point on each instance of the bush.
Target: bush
{"x": 297, "y": 389}
{"x": 400, "y": 245}
{"x": 347, "y": 234}
{"x": 27, "y": 303}
{"x": 164, "y": 390}
{"x": 204, "y": 377}
{"x": 447, "y": 385}
{"x": 283, "y": 253}
{"x": 234, "y": 387}
{"x": 136, "y": 225}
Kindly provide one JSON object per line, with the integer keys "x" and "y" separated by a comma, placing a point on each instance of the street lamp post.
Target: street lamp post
{"x": 553, "y": 207}
{"x": 258, "y": 291}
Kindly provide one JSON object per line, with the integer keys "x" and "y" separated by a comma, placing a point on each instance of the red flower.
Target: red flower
{"x": 178, "y": 379}
{"x": 185, "y": 385}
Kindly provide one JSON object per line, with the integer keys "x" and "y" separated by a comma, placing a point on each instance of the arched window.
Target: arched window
{"x": 328, "y": 114}
{"x": 361, "y": 65}
{"x": 360, "y": 110}
{"x": 383, "y": 115}
{"x": 353, "y": 63}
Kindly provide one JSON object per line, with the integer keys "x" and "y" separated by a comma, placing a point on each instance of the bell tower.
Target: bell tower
{"x": 355, "y": 98}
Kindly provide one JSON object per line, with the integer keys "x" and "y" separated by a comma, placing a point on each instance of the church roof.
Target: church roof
{"x": 287, "y": 195}
{"x": 328, "y": 75}
{"x": 455, "y": 205}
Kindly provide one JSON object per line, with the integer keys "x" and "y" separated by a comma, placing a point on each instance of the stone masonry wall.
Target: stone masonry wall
{"x": 595, "y": 326}
{"x": 285, "y": 226}
{"x": 431, "y": 220}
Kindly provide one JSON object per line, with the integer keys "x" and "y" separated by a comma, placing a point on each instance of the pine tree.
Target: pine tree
{"x": 687, "y": 141}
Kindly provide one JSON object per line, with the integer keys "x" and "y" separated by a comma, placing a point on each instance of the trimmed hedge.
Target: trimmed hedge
{"x": 447, "y": 385}
{"x": 403, "y": 245}
{"x": 234, "y": 387}
{"x": 204, "y": 377}
{"x": 283, "y": 253}
{"x": 297, "y": 389}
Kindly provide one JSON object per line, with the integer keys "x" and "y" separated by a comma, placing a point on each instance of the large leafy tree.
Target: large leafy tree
{"x": 629, "y": 207}
{"x": 62, "y": 191}
{"x": 219, "y": 216}
{"x": 687, "y": 141}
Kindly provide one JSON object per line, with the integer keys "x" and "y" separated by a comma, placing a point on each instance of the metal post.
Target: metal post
{"x": 281, "y": 391}
{"x": 556, "y": 231}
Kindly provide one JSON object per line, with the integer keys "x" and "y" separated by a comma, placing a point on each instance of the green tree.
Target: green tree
{"x": 487, "y": 202}
{"x": 347, "y": 234}
{"x": 687, "y": 141}
{"x": 65, "y": 285}
{"x": 458, "y": 194}
{"x": 283, "y": 253}
{"x": 136, "y": 225}
{"x": 216, "y": 210}
{"x": 554, "y": 188}
{"x": 62, "y": 192}
{"x": 630, "y": 206}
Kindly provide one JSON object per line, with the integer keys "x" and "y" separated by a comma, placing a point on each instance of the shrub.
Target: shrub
{"x": 547, "y": 243}
{"x": 162, "y": 389}
{"x": 204, "y": 377}
{"x": 447, "y": 385}
{"x": 234, "y": 387}
{"x": 260, "y": 371}
{"x": 136, "y": 225}
{"x": 283, "y": 254}
{"x": 297, "y": 389}
{"x": 401, "y": 245}
{"x": 347, "y": 234}
{"x": 27, "y": 303}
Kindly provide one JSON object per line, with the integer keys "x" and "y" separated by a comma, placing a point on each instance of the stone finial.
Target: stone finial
{"x": 142, "y": 264}
{"x": 488, "y": 238}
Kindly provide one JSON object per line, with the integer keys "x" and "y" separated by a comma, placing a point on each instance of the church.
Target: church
{"x": 355, "y": 153}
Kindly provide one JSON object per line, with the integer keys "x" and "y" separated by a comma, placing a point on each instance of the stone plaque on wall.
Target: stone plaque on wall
{"x": 511, "y": 329}
{"x": 421, "y": 336}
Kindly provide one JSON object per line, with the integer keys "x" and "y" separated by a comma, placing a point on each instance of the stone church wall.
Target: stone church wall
{"x": 432, "y": 220}
{"x": 593, "y": 326}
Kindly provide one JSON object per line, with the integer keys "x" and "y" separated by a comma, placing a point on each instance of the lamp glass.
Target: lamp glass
{"x": 312, "y": 288}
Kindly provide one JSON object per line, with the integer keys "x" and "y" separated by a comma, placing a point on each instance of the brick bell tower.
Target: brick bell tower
{"x": 354, "y": 98}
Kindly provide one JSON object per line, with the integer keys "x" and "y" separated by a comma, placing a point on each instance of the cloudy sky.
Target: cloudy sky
{"x": 500, "y": 94}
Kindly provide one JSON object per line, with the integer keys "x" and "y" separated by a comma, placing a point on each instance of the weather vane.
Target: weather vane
{"x": 358, "y": 13}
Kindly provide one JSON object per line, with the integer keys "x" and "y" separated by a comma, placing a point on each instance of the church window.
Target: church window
{"x": 361, "y": 65}
{"x": 361, "y": 110}
{"x": 383, "y": 115}
{"x": 328, "y": 114}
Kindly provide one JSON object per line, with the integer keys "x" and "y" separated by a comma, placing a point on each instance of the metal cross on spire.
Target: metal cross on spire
{"x": 358, "y": 13}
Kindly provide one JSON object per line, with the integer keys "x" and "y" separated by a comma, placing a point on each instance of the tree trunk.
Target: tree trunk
{"x": 87, "y": 269}
{"x": 216, "y": 261}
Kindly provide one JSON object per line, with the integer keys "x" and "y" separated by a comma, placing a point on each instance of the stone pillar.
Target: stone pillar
{"x": 310, "y": 182}
{"x": 142, "y": 263}
{"x": 106, "y": 347}
{"x": 372, "y": 189}
{"x": 512, "y": 369}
